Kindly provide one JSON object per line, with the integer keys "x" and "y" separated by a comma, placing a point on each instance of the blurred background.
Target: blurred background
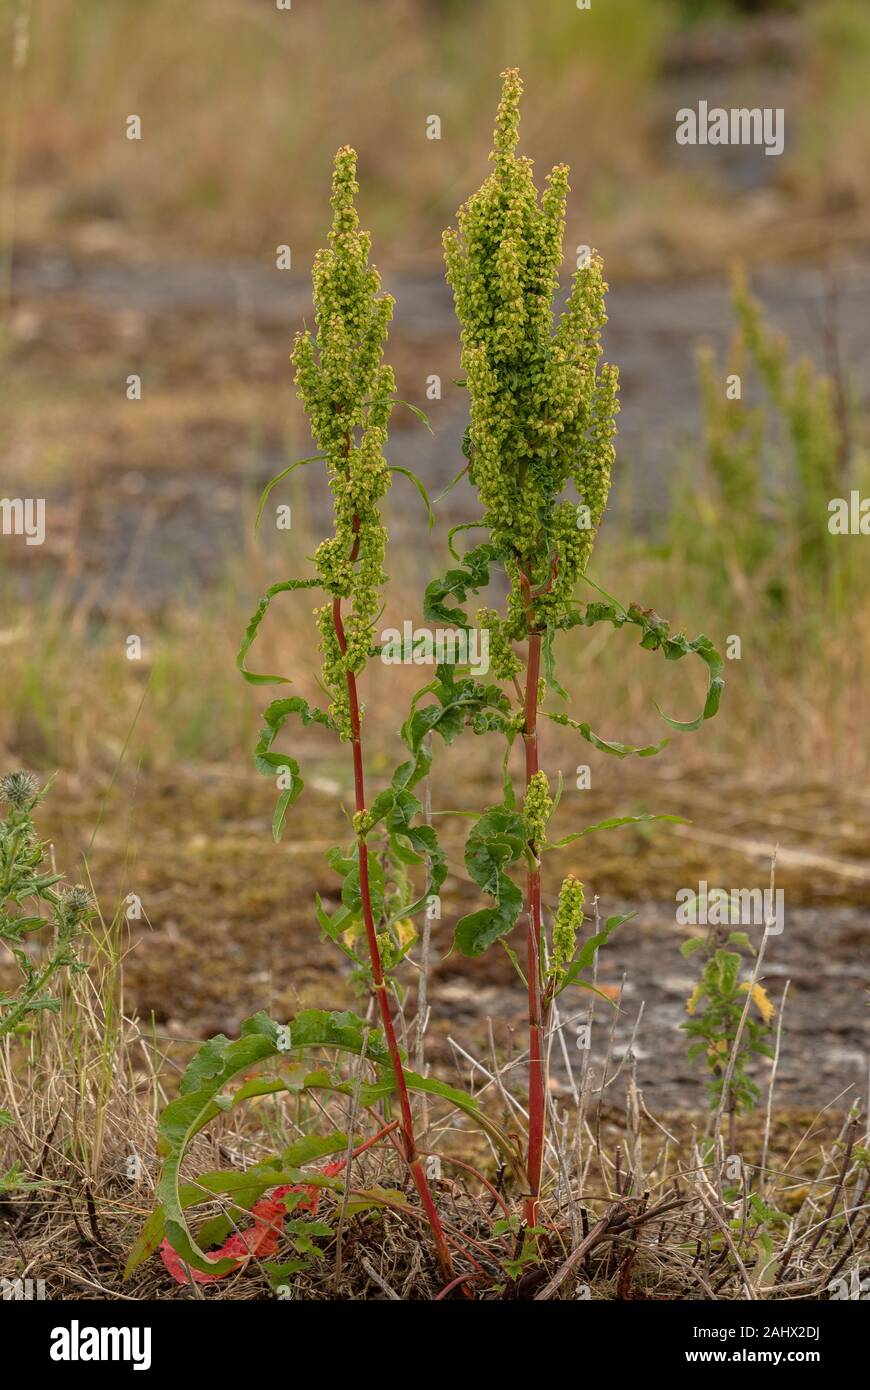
{"x": 156, "y": 258}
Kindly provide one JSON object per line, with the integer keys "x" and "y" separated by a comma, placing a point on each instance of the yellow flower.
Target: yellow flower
{"x": 761, "y": 1001}
{"x": 695, "y": 998}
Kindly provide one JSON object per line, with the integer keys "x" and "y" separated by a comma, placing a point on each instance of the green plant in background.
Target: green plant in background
{"x": 543, "y": 411}
{"x": 24, "y": 886}
{"x": 716, "y": 1007}
{"x": 755, "y": 519}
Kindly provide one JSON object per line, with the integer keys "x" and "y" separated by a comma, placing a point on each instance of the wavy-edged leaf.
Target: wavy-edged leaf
{"x": 498, "y": 840}
{"x": 612, "y": 825}
{"x": 270, "y": 763}
{"x": 211, "y": 1070}
{"x": 457, "y": 584}
{"x": 463, "y": 526}
{"x": 245, "y": 1188}
{"x": 285, "y": 472}
{"x": 371, "y": 1094}
{"x": 619, "y": 750}
{"x": 657, "y": 637}
{"x": 285, "y": 586}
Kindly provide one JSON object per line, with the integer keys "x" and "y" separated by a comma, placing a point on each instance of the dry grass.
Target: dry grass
{"x": 635, "y": 1207}
{"x": 70, "y": 697}
{"x": 255, "y": 90}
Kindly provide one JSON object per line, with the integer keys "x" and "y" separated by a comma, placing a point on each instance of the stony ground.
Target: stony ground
{"x": 228, "y": 926}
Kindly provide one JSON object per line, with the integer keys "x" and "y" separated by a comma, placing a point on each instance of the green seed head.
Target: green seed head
{"x": 346, "y": 390}
{"x": 569, "y": 919}
{"x": 538, "y": 806}
{"x": 542, "y": 408}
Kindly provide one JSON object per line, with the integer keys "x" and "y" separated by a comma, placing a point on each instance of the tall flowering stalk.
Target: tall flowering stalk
{"x": 542, "y": 417}
{"x": 348, "y": 393}
{"x": 540, "y": 451}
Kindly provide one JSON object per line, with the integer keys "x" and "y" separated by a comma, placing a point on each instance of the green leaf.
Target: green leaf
{"x": 612, "y": 825}
{"x": 656, "y": 637}
{"x": 497, "y": 840}
{"x": 414, "y": 409}
{"x": 253, "y": 626}
{"x": 287, "y": 797}
{"x": 398, "y": 808}
{"x": 550, "y": 663}
{"x": 285, "y": 472}
{"x": 741, "y": 938}
{"x": 585, "y": 957}
{"x": 459, "y": 701}
{"x": 373, "y": 1095}
{"x": 215, "y": 1065}
{"x": 452, "y": 484}
{"x": 420, "y": 488}
{"x": 457, "y": 584}
{"x": 463, "y": 526}
{"x": 619, "y": 750}
{"x": 278, "y": 1274}
{"x": 693, "y": 944}
{"x": 270, "y": 763}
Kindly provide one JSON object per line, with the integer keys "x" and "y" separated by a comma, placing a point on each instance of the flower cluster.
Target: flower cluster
{"x": 538, "y": 807}
{"x": 346, "y": 390}
{"x": 542, "y": 408}
{"x": 569, "y": 919}
{"x": 503, "y": 659}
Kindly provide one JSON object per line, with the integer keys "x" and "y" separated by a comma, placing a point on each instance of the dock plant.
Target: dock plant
{"x": 348, "y": 393}
{"x": 540, "y": 451}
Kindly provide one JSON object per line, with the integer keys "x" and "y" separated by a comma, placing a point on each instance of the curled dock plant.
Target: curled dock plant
{"x": 540, "y": 451}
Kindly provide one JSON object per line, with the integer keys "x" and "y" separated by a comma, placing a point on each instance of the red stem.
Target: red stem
{"x": 537, "y": 1019}
{"x": 409, "y": 1142}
